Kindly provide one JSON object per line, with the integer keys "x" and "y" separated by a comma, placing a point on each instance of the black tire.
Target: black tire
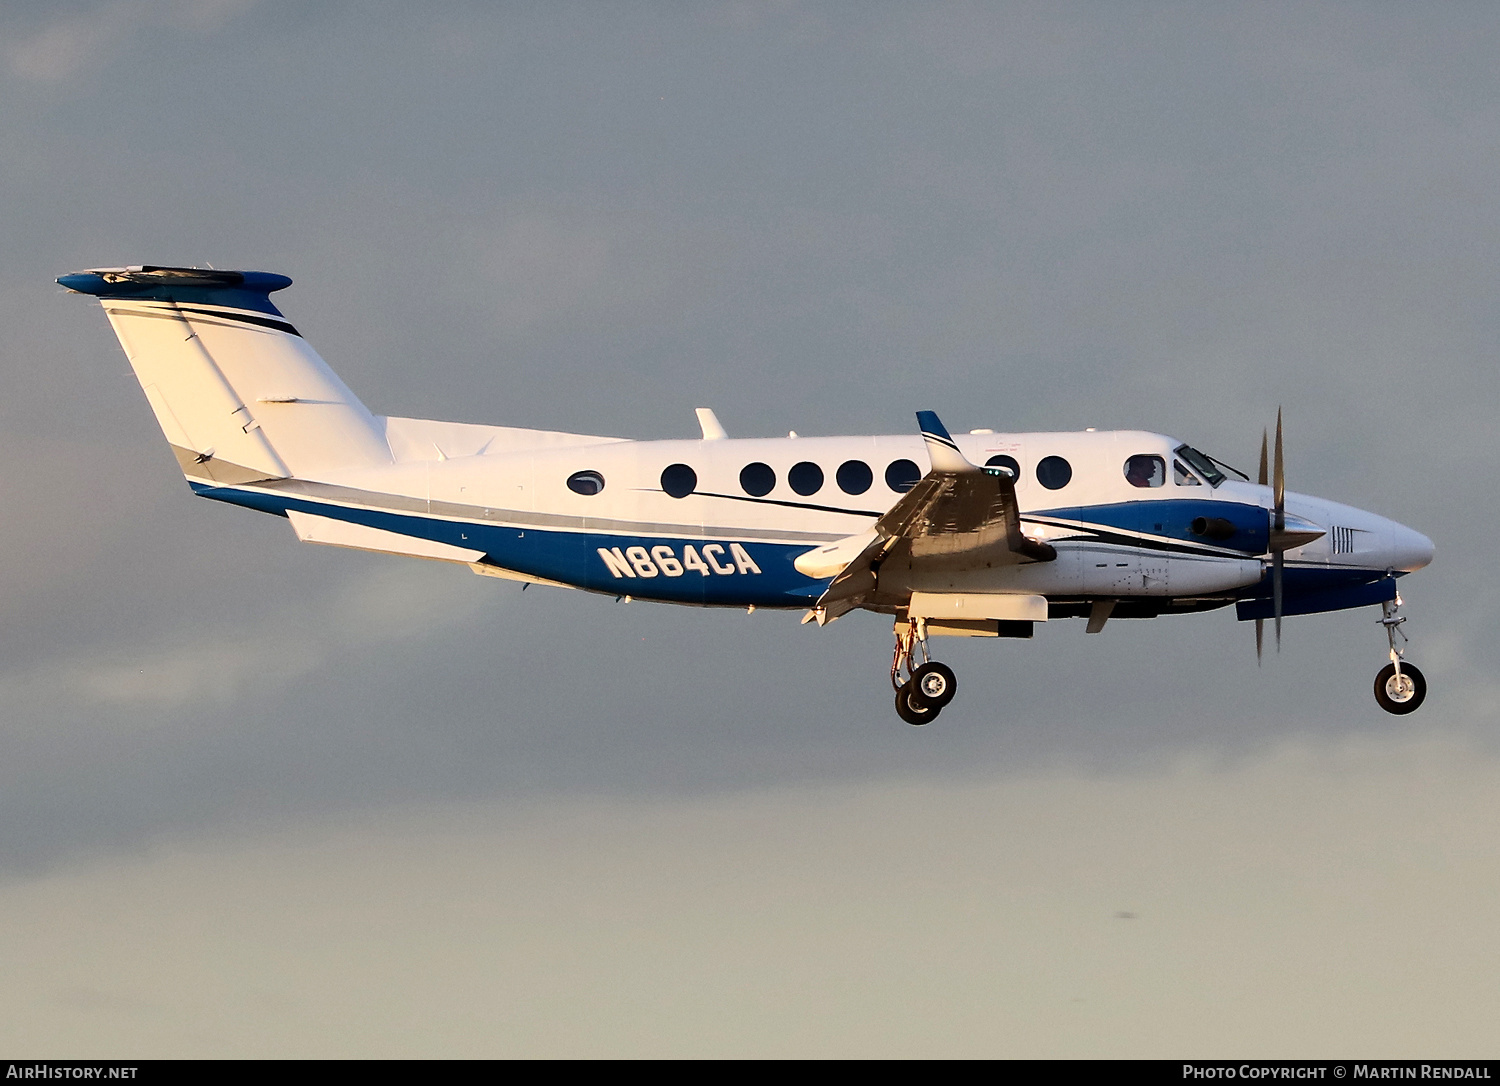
{"x": 910, "y": 713}
{"x": 932, "y": 685}
{"x": 1404, "y": 698}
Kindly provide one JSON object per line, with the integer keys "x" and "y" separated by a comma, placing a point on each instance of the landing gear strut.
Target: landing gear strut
{"x": 928, "y": 686}
{"x": 1399, "y": 687}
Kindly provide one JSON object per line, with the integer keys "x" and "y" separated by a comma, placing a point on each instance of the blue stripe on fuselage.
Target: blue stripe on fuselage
{"x": 768, "y": 579}
{"x": 1172, "y": 518}
{"x": 573, "y": 557}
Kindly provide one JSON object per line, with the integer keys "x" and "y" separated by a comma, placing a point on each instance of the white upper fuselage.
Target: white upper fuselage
{"x": 256, "y": 418}
{"x": 980, "y": 535}
{"x": 519, "y": 478}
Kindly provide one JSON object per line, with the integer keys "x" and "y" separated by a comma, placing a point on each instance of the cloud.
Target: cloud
{"x": 597, "y": 219}
{"x": 66, "y": 45}
{"x": 1315, "y": 900}
{"x": 390, "y": 603}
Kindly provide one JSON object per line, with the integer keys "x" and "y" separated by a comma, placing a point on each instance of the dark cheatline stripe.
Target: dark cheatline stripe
{"x": 244, "y": 318}
{"x": 1099, "y": 535}
{"x": 789, "y": 505}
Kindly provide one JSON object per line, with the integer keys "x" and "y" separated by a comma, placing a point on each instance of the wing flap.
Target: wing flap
{"x": 955, "y": 510}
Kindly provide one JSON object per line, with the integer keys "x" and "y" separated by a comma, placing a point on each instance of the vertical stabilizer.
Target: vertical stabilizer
{"x": 238, "y": 392}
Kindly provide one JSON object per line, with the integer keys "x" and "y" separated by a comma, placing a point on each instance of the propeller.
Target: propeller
{"x": 1279, "y": 543}
{"x": 1278, "y": 529}
{"x": 1264, "y": 478}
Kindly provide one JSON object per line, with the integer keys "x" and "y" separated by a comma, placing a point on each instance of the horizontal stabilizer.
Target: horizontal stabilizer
{"x": 311, "y": 528}
{"x": 189, "y": 286}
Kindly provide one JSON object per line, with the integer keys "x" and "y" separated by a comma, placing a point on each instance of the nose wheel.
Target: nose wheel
{"x": 928, "y": 686}
{"x": 1400, "y": 692}
{"x": 1400, "y": 688}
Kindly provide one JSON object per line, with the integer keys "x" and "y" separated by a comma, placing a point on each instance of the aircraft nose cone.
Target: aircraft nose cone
{"x": 1409, "y": 550}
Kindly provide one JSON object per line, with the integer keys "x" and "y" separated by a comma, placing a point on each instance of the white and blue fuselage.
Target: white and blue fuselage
{"x": 745, "y": 510}
{"x": 1137, "y": 519}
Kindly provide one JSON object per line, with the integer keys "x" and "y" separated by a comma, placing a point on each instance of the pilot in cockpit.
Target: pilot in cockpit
{"x": 1144, "y": 470}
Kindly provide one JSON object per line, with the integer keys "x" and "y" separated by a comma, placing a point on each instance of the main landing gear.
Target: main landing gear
{"x": 928, "y": 686}
{"x": 1399, "y": 687}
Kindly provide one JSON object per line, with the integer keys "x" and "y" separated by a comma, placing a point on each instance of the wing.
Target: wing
{"x": 956, "y": 509}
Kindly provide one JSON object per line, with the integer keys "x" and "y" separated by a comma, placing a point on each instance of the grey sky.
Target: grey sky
{"x": 810, "y": 217}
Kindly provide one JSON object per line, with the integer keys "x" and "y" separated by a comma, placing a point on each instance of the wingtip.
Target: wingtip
{"x": 942, "y": 450}
{"x": 931, "y": 424}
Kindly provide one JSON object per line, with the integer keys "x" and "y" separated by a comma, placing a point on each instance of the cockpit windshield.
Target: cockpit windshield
{"x": 1203, "y": 465}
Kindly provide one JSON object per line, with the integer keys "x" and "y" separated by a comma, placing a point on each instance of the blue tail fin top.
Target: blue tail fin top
{"x": 942, "y": 450}
{"x": 931, "y": 424}
{"x": 204, "y": 286}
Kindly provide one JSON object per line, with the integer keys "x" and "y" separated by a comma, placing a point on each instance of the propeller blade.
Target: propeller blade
{"x": 1280, "y": 484}
{"x": 1277, "y": 562}
{"x": 1278, "y": 535}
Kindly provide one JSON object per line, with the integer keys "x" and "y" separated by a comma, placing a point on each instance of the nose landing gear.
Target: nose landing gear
{"x": 929, "y": 685}
{"x": 1399, "y": 687}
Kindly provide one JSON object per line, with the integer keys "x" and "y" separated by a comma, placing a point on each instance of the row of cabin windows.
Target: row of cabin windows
{"x": 758, "y": 480}
{"x": 855, "y": 476}
{"x": 805, "y": 478}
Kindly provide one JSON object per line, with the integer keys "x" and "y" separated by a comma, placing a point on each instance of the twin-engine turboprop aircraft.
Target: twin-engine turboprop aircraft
{"x": 982, "y": 535}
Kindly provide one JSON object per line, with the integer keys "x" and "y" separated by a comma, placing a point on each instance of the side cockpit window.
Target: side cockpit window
{"x": 1182, "y": 476}
{"x": 1145, "y": 470}
{"x": 1206, "y": 467}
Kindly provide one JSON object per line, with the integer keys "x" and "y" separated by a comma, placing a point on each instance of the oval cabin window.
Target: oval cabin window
{"x": 854, "y": 476}
{"x": 757, "y": 479}
{"x": 902, "y": 475}
{"x": 1006, "y": 464}
{"x": 805, "y": 478}
{"x": 1053, "y": 472}
{"x": 587, "y": 483}
{"x": 679, "y": 480}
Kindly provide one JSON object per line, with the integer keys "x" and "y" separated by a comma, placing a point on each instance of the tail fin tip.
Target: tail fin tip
{"x": 205, "y": 286}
